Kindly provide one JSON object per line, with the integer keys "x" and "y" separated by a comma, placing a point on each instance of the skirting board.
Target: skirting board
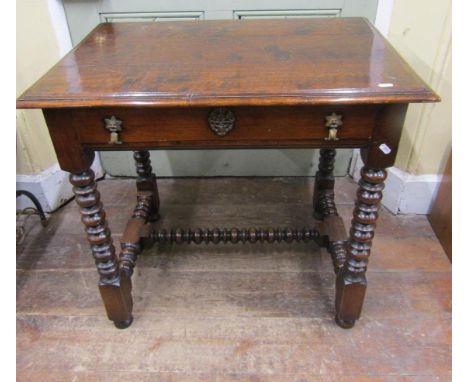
{"x": 404, "y": 193}
{"x": 51, "y": 187}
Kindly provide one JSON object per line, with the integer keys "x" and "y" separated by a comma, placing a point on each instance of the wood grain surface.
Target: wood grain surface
{"x": 230, "y": 62}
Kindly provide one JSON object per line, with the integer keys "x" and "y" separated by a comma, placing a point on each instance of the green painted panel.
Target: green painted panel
{"x": 150, "y": 16}
{"x": 82, "y": 16}
{"x": 287, "y": 14}
{"x": 284, "y": 162}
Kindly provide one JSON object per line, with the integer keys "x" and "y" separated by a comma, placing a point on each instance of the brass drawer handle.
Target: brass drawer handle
{"x": 114, "y": 125}
{"x": 221, "y": 120}
{"x": 333, "y": 121}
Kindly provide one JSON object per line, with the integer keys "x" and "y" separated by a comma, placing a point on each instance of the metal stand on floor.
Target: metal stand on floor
{"x": 29, "y": 211}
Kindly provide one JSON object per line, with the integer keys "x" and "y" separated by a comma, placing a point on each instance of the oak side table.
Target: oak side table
{"x": 294, "y": 83}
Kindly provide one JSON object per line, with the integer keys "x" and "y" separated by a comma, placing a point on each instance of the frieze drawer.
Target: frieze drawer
{"x": 116, "y": 128}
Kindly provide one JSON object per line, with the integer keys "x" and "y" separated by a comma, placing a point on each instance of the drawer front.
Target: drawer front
{"x": 238, "y": 127}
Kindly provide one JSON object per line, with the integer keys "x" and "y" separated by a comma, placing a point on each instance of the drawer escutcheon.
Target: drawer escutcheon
{"x": 333, "y": 121}
{"x": 221, "y": 120}
{"x": 114, "y": 125}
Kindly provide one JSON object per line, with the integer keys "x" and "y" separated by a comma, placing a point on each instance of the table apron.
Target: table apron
{"x": 192, "y": 128}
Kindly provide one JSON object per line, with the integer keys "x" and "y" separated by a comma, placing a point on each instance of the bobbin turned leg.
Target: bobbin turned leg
{"x": 351, "y": 281}
{"x": 324, "y": 197}
{"x": 380, "y": 154}
{"x": 146, "y": 210}
{"x": 146, "y": 181}
{"x": 325, "y": 208}
{"x": 115, "y": 288}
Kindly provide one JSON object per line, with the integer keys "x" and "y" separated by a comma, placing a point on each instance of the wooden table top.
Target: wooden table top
{"x": 230, "y": 62}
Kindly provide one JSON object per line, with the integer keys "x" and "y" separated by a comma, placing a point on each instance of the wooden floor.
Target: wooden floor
{"x": 232, "y": 312}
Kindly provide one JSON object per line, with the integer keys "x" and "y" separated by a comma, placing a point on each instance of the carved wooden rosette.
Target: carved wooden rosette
{"x": 94, "y": 218}
{"x": 351, "y": 281}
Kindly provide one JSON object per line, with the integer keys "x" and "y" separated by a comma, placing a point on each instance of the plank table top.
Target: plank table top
{"x": 230, "y": 62}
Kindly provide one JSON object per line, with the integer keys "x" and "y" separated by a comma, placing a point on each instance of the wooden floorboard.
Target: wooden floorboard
{"x": 232, "y": 312}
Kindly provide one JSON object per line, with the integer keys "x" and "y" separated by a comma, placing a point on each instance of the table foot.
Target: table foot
{"x": 345, "y": 324}
{"x": 123, "y": 324}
